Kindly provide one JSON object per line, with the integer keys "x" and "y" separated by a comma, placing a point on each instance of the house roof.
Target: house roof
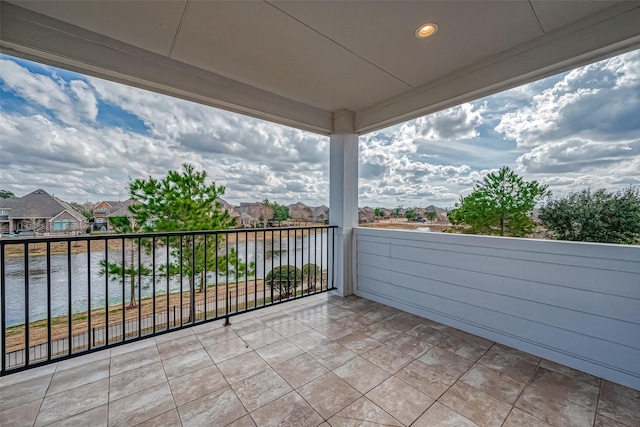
{"x": 303, "y": 63}
{"x": 38, "y": 204}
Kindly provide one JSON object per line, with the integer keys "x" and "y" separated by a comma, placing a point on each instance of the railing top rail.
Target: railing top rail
{"x": 114, "y": 236}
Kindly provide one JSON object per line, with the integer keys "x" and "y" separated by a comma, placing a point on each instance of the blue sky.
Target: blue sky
{"x": 83, "y": 139}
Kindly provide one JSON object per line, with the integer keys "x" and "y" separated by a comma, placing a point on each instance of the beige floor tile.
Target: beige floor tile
{"x": 75, "y": 362}
{"x": 446, "y": 361}
{"x": 314, "y": 320}
{"x": 569, "y": 372}
{"x": 519, "y": 418}
{"x": 400, "y": 400}
{"x": 402, "y": 321}
{"x": 129, "y": 347}
{"x": 334, "y": 330}
{"x": 83, "y": 374}
{"x": 141, "y": 406}
{"x": 620, "y": 403}
{"x": 290, "y": 328}
{"x": 72, "y": 402}
{"x": 425, "y": 378}
{"x": 602, "y": 421}
{"x": 96, "y": 417}
{"x": 361, "y": 374}
{"x": 247, "y": 326}
{"x": 21, "y": 415}
{"x": 475, "y": 405}
{"x": 186, "y": 363}
{"x": 332, "y": 355}
{"x": 290, "y": 410}
{"x": 23, "y": 392}
{"x": 513, "y": 363}
{"x": 224, "y": 350}
{"x": 356, "y": 321}
{"x": 196, "y": 384}
{"x": 214, "y": 333}
{"x": 260, "y": 389}
{"x": 466, "y": 345}
{"x": 358, "y": 342}
{"x": 388, "y": 358}
{"x": 494, "y": 383}
{"x": 558, "y": 414}
{"x": 174, "y": 335}
{"x": 427, "y": 334}
{"x": 133, "y": 360}
{"x": 273, "y": 318}
{"x": 179, "y": 346}
{"x": 410, "y": 345}
{"x": 262, "y": 338}
{"x": 168, "y": 419}
{"x": 279, "y": 352}
{"x": 560, "y": 388}
{"x": 216, "y": 409}
{"x": 30, "y": 374}
{"x": 337, "y": 312}
{"x": 300, "y": 370}
{"x": 380, "y": 331}
{"x": 245, "y": 421}
{"x": 134, "y": 381}
{"x": 242, "y": 366}
{"x": 328, "y": 394}
{"x": 439, "y": 415}
{"x": 309, "y": 340}
{"x": 363, "y": 412}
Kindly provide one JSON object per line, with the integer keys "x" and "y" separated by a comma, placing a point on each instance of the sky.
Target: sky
{"x": 83, "y": 139}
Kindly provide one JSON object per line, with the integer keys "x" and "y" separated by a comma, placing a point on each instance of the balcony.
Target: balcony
{"x": 347, "y": 361}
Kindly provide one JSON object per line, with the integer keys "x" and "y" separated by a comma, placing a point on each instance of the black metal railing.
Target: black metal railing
{"x": 65, "y": 296}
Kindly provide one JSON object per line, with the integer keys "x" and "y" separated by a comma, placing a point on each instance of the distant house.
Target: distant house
{"x": 41, "y": 213}
{"x": 320, "y": 213}
{"x": 105, "y": 209}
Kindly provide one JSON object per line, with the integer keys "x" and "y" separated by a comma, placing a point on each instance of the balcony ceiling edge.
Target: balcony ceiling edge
{"x": 595, "y": 38}
{"x": 39, "y": 38}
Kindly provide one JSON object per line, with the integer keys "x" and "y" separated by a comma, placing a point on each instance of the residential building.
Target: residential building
{"x": 41, "y": 213}
{"x": 105, "y": 209}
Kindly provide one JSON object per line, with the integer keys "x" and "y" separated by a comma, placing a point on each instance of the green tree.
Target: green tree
{"x": 501, "y": 204}
{"x": 128, "y": 268}
{"x": 281, "y": 212}
{"x": 410, "y": 214}
{"x": 379, "y": 213}
{"x": 598, "y": 216}
{"x": 5, "y": 194}
{"x": 183, "y": 201}
{"x": 431, "y": 215}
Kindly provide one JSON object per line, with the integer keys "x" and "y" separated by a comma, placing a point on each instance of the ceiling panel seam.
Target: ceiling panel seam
{"x": 179, "y": 29}
{"x": 341, "y": 45}
{"x": 535, "y": 15}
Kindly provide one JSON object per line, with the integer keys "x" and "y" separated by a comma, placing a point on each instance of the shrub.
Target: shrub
{"x": 285, "y": 279}
{"x": 311, "y": 271}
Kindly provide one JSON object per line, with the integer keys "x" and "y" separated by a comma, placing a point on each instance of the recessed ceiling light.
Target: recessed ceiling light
{"x": 426, "y": 30}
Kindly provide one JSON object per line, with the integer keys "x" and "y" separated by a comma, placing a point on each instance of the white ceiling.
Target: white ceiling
{"x": 297, "y": 62}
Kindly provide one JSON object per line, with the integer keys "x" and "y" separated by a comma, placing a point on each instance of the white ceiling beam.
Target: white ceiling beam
{"x": 40, "y": 38}
{"x": 612, "y": 32}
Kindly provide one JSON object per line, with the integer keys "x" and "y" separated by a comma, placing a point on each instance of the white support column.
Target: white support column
{"x": 343, "y": 200}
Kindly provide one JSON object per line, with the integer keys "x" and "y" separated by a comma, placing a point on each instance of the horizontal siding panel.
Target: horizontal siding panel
{"x": 552, "y": 247}
{"x": 624, "y": 333}
{"x": 626, "y": 284}
{"x": 606, "y": 305}
{"x": 606, "y": 353}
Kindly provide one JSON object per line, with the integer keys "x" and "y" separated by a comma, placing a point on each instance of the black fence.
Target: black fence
{"x": 66, "y": 296}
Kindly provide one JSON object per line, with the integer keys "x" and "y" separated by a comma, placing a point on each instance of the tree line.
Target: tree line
{"x": 503, "y": 204}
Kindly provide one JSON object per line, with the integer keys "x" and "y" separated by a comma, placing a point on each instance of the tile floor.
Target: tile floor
{"x": 321, "y": 360}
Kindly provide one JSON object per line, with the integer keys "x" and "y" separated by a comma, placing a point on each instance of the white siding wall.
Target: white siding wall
{"x": 574, "y": 303}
